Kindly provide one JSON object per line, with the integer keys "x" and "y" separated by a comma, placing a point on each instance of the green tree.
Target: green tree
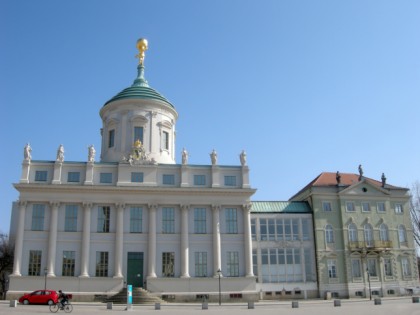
{"x": 6, "y": 261}
{"x": 415, "y": 211}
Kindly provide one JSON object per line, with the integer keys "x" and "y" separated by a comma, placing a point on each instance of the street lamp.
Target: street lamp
{"x": 219, "y": 273}
{"x": 370, "y": 291}
{"x": 45, "y": 278}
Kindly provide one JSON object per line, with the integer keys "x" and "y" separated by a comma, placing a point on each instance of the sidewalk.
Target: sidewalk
{"x": 400, "y": 306}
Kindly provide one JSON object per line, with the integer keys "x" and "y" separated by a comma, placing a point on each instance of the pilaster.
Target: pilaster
{"x": 217, "y": 261}
{"x": 152, "y": 242}
{"x": 52, "y": 242}
{"x": 87, "y": 207}
{"x": 119, "y": 240}
{"x": 184, "y": 241}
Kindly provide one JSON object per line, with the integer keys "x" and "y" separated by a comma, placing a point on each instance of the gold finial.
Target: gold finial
{"x": 142, "y": 47}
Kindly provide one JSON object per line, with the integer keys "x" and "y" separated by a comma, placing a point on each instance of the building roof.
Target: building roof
{"x": 140, "y": 89}
{"x": 280, "y": 206}
{"x": 329, "y": 179}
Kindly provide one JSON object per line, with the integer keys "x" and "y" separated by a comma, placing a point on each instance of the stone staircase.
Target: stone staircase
{"x": 140, "y": 296}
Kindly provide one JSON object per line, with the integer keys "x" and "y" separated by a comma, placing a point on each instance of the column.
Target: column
{"x": 52, "y": 241}
{"x": 19, "y": 239}
{"x": 84, "y": 272}
{"x": 119, "y": 240}
{"x": 247, "y": 240}
{"x": 184, "y": 242}
{"x": 217, "y": 261}
{"x": 152, "y": 242}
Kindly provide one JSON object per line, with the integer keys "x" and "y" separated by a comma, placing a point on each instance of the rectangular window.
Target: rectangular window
{"x": 105, "y": 178}
{"x": 136, "y": 219}
{"x": 406, "y": 268}
{"x": 101, "y": 264}
{"x": 332, "y": 268}
{"x": 253, "y": 230}
{"x": 111, "y": 136}
{"x": 371, "y": 267}
{"x": 200, "y": 221}
{"x": 326, "y": 206}
{"x": 365, "y": 207}
{"x": 200, "y": 264}
{"x": 230, "y": 180}
{"x": 165, "y": 140}
{"x": 136, "y": 177}
{"x": 280, "y": 229}
{"x": 263, "y": 229}
{"x": 308, "y": 264}
{"x": 232, "y": 264}
{"x": 38, "y": 213}
{"x": 168, "y": 179}
{"x": 231, "y": 221}
{"x": 288, "y": 229}
{"x": 399, "y": 208}
{"x": 255, "y": 263}
{"x": 380, "y": 206}
{"x": 70, "y": 221}
{"x": 41, "y": 176}
{"x": 305, "y": 229}
{"x": 350, "y": 206}
{"x": 388, "y": 267}
{"x": 104, "y": 214}
{"x": 69, "y": 260}
{"x": 73, "y": 177}
{"x": 34, "y": 267}
{"x": 168, "y": 262}
{"x": 271, "y": 229}
{"x": 295, "y": 229}
{"x": 168, "y": 220}
{"x": 199, "y": 180}
{"x": 138, "y": 134}
{"x": 355, "y": 268}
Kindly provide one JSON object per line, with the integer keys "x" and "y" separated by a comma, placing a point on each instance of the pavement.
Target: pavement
{"x": 399, "y": 306}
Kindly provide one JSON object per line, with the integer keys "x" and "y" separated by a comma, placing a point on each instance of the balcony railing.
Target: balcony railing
{"x": 372, "y": 245}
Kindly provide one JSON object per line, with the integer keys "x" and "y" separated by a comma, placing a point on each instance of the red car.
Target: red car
{"x": 40, "y": 297}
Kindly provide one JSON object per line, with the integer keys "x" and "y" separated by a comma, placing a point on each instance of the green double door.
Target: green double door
{"x": 135, "y": 269}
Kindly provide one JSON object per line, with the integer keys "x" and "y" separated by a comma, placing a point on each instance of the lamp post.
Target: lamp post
{"x": 219, "y": 273}
{"x": 368, "y": 275}
{"x": 45, "y": 278}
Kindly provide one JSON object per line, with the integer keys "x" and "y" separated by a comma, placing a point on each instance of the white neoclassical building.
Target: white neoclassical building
{"x": 133, "y": 215}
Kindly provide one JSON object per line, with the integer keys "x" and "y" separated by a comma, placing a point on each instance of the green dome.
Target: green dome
{"x": 139, "y": 90}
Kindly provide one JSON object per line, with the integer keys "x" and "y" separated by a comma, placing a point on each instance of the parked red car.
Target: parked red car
{"x": 40, "y": 297}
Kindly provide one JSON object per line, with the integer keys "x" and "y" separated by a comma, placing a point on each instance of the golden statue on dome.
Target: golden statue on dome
{"x": 142, "y": 46}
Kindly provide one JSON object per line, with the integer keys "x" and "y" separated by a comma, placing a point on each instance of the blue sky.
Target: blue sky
{"x": 303, "y": 86}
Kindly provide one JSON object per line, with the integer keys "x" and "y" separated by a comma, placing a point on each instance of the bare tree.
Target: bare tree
{"x": 6, "y": 261}
{"x": 415, "y": 211}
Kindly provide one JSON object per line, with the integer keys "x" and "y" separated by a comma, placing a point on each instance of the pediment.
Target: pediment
{"x": 140, "y": 119}
{"x": 165, "y": 123}
{"x": 364, "y": 188}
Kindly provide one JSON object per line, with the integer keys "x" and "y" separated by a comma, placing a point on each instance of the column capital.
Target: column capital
{"x": 215, "y": 207}
{"x": 120, "y": 205}
{"x": 87, "y": 205}
{"x": 185, "y": 207}
{"x": 247, "y": 206}
{"x": 22, "y": 203}
{"x": 55, "y": 204}
{"x": 152, "y": 206}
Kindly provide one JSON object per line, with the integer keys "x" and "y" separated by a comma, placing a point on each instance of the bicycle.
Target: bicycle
{"x": 68, "y": 308}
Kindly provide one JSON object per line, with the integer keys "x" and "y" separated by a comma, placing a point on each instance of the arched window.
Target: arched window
{"x": 402, "y": 235}
{"x": 383, "y": 232}
{"x": 352, "y": 232}
{"x": 368, "y": 234}
{"x": 329, "y": 233}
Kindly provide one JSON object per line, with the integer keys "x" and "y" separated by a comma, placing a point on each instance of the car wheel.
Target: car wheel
{"x": 50, "y": 302}
{"x": 26, "y": 302}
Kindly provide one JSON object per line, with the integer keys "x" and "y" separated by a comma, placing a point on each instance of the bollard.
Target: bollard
{"x": 251, "y": 305}
{"x": 109, "y": 305}
{"x": 378, "y": 301}
{"x": 13, "y": 303}
{"x": 205, "y": 306}
{"x": 295, "y": 304}
{"x": 337, "y": 302}
{"x": 415, "y": 299}
{"x": 157, "y": 306}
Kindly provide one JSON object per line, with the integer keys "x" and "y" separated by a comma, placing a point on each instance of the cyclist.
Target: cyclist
{"x": 63, "y": 298}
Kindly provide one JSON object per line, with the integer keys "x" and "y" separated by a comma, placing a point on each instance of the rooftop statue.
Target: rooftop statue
{"x": 60, "y": 154}
{"x": 27, "y": 152}
{"x": 91, "y": 153}
{"x": 184, "y": 156}
{"x": 213, "y": 156}
{"x": 242, "y": 157}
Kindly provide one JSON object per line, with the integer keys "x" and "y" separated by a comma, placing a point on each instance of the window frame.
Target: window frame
{"x": 105, "y": 178}
{"x": 168, "y": 179}
{"x": 168, "y": 220}
{"x": 168, "y": 264}
{"x": 399, "y": 208}
{"x": 232, "y": 264}
{"x": 363, "y": 204}
{"x": 329, "y": 234}
{"x": 137, "y": 177}
{"x": 104, "y": 219}
{"x": 73, "y": 177}
{"x": 136, "y": 219}
{"x": 70, "y": 218}
{"x": 68, "y": 263}
{"x": 38, "y": 217}
{"x": 230, "y": 180}
{"x": 200, "y": 221}
{"x": 231, "y": 216}
{"x": 200, "y": 264}
{"x": 326, "y": 206}
{"x": 378, "y": 208}
{"x": 199, "y": 180}
{"x": 111, "y": 138}
{"x": 34, "y": 263}
{"x": 352, "y": 206}
{"x": 102, "y": 264}
{"x": 41, "y": 176}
